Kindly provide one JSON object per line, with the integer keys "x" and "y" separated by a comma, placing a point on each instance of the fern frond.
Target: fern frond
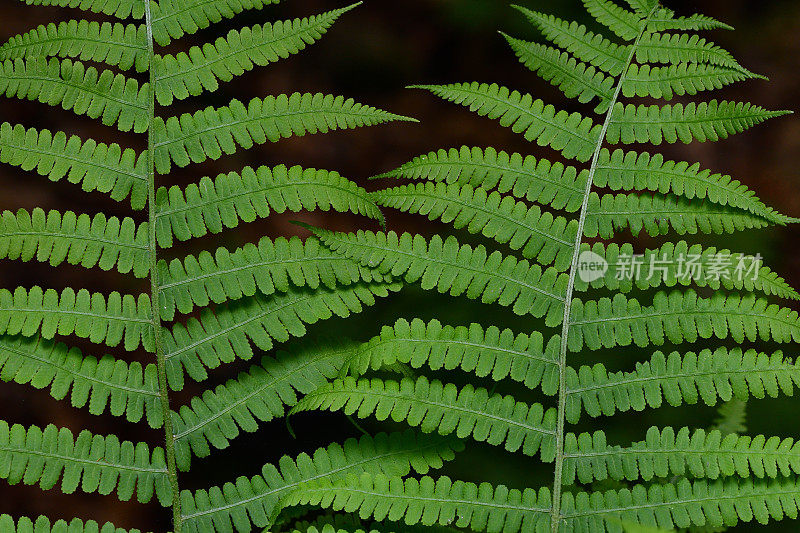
{"x": 117, "y": 45}
{"x": 632, "y": 171}
{"x": 430, "y": 502}
{"x": 121, "y": 9}
{"x": 642, "y": 7}
{"x": 713, "y": 376}
{"x": 523, "y": 177}
{"x": 677, "y": 80}
{"x": 225, "y": 334}
{"x": 731, "y": 418}
{"x": 172, "y": 19}
{"x": 258, "y": 395}
{"x": 96, "y": 166}
{"x": 449, "y": 267}
{"x": 272, "y": 266}
{"x": 105, "y": 242}
{"x": 625, "y": 24}
{"x": 212, "y": 132}
{"x": 569, "y": 133}
{"x": 537, "y": 234}
{"x": 674, "y": 48}
{"x": 707, "y": 121}
{"x": 103, "y": 319}
{"x": 667, "y": 452}
{"x": 483, "y": 352}
{"x": 444, "y": 408}
{"x": 257, "y": 500}
{"x": 577, "y": 40}
{"x": 659, "y": 215}
{"x": 573, "y": 78}
{"x": 181, "y": 76}
{"x": 92, "y": 463}
{"x": 115, "y": 100}
{"x": 679, "y": 317}
{"x": 42, "y": 524}
{"x": 212, "y": 206}
{"x": 664, "y": 20}
{"x": 107, "y": 384}
{"x": 684, "y": 504}
{"x": 677, "y": 263}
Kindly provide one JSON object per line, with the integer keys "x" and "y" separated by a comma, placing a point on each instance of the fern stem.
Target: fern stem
{"x": 555, "y": 510}
{"x": 161, "y": 363}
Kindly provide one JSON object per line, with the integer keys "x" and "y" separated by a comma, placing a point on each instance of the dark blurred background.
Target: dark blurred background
{"x": 371, "y": 54}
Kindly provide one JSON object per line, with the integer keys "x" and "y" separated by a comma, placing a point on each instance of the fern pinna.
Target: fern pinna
{"x": 697, "y": 334}
{"x": 242, "y": 301}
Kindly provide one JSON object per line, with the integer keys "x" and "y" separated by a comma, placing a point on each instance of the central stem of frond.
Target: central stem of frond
{"x": 161, "y": 364}
{"x": 555, "y": 512}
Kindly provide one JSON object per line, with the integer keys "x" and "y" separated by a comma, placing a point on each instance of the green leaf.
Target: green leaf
{"x": 42, "y": 524}
{"x": 444, "y": 408}
{"x": 105, "y": 242}
{"x": 626, "y": 24}
{"x": 181, "y": 76}
{"x": 448, "y": 267}
{"x": 569, "y": 133}
{"x": 121, "y": 9}
{"x": 115, "y": 100}
{"x": 212, "y": 206}
{"x": 109, "y": 320}
{"x": 96, "y": 166}
{"x": 224, "y": 334}
{"x": 117, "y": 45}
{"x": 257, "y": 500}
{"x": 212, "y": 132}
{"x": 538, "y": 235}
{"x": 679, "y": 317}
{"x": 92, "y": 462}
{"x": 678, "y": 80}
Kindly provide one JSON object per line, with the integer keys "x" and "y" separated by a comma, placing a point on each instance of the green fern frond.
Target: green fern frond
{"x": 713, "y": 376}
{"x": 172, "y": 19}
{"x": 577, "y": 40}
{"x": 679, "y": 263}
{"x": 42, "y": 524}
{"x": 96, "y": 166}
{"x": 109, "y": 320}
{"x": 107, "y": 384}
{"x": 523, "y": 177}
{"x": 642, "y": 7}
{"x": 667, "y": 452}
{"x": 537, "y": 235}
{"x": 625, "y": 24}
{"x": 660, "y": 215}
{"x": 258, "y": 499}
{"x": 731, "y": 418}
{"x": 664, "y": 20}
{"x": 223, "y": 335}
{"x": 679, "y": 317}
{"x": 573, "y": 78}
{"x": 269, "y": 267}
{"x": 181, "y": 76}
{"x": 212, "y": 132}
{"x": 449, "y": 267}
{"x": 121, "y": 9}
{"x": 115, "y": 100}
{"x": 117, "y": 45}
{"x": 483, "y": 352}
{"x": 92, "y": 463}
{"x": 212, "y": 206}
{"x": 632, "y": 171}
{"x": 105, "y": 242}
{"x": 707, "y": 121}
{"x": 675, "y": 48}
{"x": 430, "y": 502}
{"x": 677, "y": 80}
{"x": 468, "y": 412}
{"x": 569, "y": 133}
{"x": 258, "y": 395}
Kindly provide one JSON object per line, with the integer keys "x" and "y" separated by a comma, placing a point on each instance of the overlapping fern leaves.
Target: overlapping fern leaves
{"x": 554, "y": 220}
{"x": 241, "y": 300}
